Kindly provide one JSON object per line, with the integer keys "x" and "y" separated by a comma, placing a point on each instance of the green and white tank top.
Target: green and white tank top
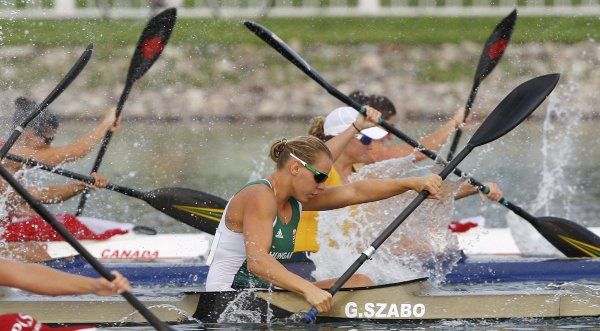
{"x": 227, "y": 259}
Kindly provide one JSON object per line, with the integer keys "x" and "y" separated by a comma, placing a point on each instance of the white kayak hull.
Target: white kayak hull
{"x": 168, "y": 247}
{"x": 138, "y": 247}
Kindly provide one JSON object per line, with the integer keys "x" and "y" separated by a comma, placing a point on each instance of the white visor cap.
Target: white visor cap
{"x": 341, "y": 118}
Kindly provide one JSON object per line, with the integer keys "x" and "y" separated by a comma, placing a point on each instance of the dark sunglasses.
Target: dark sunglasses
{"x": 319, "y": 176}
{"x": 47, "y": 140}
{"x": 364, "y": 139}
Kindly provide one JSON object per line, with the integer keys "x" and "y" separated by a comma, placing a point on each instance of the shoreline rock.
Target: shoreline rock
{"x": 252, "y": 82}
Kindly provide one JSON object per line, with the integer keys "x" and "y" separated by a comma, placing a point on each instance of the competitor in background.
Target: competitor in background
{"x": 257, "y": 232}
{"x": 35, "y": 143}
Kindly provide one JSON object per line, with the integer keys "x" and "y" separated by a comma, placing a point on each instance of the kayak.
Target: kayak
{"x": 149, "y": 246}
{"x": 177, "y": 246}
{"x": 414, "y": 300}
{"x": 469, "y": 270}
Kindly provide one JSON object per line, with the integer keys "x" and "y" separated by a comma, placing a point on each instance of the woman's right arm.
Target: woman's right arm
{"x": 338, "y": 143}
{"x": 433, "y": 141}
{"x": 77, "y": 149}
{"x": 258, "y": 230}
{"x": 369, "y": 190}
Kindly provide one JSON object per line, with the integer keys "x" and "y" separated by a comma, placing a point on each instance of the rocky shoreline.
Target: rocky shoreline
{"x": 251, "y": 82}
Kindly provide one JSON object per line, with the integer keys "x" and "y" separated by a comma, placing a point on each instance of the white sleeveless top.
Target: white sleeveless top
{"x": 227, "y": 254}
{"x": 228, "y": 251}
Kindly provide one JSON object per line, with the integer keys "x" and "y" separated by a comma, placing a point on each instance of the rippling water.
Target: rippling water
{"x": 220, "y": 157}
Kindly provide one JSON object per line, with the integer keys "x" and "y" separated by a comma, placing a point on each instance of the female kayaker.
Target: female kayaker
{"x": 35, "y": 142}
{"x": 258, "y": 228}
{"x": 379, "y": 151}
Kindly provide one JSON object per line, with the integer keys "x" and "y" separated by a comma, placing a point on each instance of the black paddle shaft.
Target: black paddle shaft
{"x": 73, "y": 175}
{"x": 280, "y": 46}
{"x": 48, "y": 217}
{"x": 104, "y": 146}
{"x": 509, "y": 113}
{"x": 458, "y": 133}
{"x": 389, "y": 230}
{"x": 197, "y": 209}
{"x": 62, "y": 85}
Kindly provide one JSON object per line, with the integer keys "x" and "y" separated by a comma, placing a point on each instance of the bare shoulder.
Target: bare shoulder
{"x": 255, "y": 201}
{"x": 256, "y": 196}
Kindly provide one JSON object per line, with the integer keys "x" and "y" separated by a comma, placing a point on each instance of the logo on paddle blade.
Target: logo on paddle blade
{"x": 586, "y": 248}
{"x": 213, "y": 214}
{"x": 152, "y": 47}
{"x": 497, "y": 49}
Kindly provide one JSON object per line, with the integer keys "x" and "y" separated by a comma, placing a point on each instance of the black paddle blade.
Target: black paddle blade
{"x": 514, "y": 109}
{"x": 200, "y": 210}
{"x": 495, "y": 46}
{"x": 153, "y": 40}
{"x": 570, "y": 238}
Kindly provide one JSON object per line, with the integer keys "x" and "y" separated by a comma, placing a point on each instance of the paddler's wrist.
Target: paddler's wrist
{"x": 305, "y": 287}
{"x": 80, "y": 187}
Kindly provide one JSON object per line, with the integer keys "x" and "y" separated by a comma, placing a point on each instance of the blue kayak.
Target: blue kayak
{"x": 468, "y": 270}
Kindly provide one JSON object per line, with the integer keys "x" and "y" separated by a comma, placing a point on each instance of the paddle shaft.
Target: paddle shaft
{"x": 458, "y": 172}
{"x": 429, "y": 153}
{"x": 62, "y": 85}
{"x": 73, "y": 175}
{"x": 142, "y": 195}
{"x": 389, "y": 230}
{"x": 48, "y": 217}
{"x": 283, "y": 49}
{"x": 104, "y": 145}
{"x": 468, "y": 107}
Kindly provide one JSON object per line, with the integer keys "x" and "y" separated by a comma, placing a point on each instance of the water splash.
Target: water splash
{"x": 184, "y": 314}
{"x": 421, "y": 246}
{"x": 555, "y": 189}
{"x": 581, "y": 292}
{"x": 237, "y": 311}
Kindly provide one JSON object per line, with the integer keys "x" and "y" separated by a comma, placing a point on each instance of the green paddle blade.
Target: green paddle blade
{"x": 514, "y": 109}
{"x": 570, "y": 238}
{"x": 200, "y": 210}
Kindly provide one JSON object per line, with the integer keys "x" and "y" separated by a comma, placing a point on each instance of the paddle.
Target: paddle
{"x": 151, "y": 44}
{"x": 194, "y": 208}
{"x": 511, "y": 111}
{"x": 48, "y": 217}
{"x": 62, "y": 85}
{"x": 556, "y": 235}
{"x": 490, "y": 56}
